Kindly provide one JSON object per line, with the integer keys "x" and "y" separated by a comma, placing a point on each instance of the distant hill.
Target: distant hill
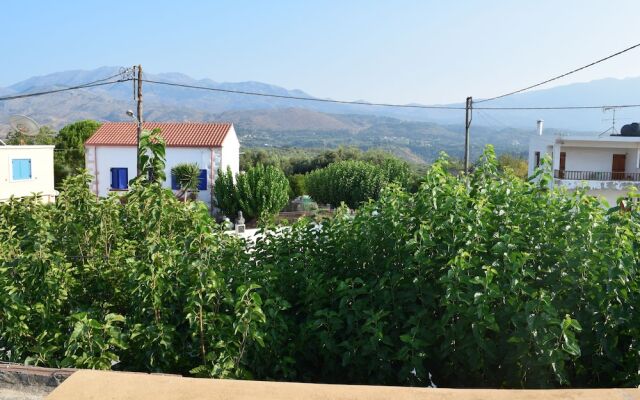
{"x": 415, "y": 133}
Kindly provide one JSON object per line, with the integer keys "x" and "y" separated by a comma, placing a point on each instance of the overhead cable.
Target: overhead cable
{"x": 560, "y": 76}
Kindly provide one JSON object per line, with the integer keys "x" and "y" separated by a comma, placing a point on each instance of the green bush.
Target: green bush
{"x": 351, "y": 182}
{"x": 297, "y": 185}
{"x": 187, "y": 176}
{"x": 483, "y": 280}
{"x": 260, "y": 192}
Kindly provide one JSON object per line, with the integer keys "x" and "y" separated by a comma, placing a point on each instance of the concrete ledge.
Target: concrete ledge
{"x": 25, "y": 382}
{"x": 98, "y": 385}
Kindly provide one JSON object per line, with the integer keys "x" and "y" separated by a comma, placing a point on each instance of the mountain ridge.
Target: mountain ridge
{"x": 283, "y": 122}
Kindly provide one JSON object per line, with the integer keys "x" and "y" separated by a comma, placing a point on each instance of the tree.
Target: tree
{"x": 188, "y": 177}
{"x": 260, "y": 192}
{"x": 226, "y": 195}
{"x": 45, "y": 136}
{"x": 297, "y": 185}
{"x": 351, "y": 182}
{"x": 515, "y": 164}
{"x": 70, "y": 146}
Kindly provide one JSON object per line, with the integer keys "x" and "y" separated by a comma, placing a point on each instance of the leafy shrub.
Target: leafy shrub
{"x": 481, "y": 281}
{"x": 70, "y": 145}
{"x": 226, "y": 194}
{"x": 297, "y": 185}
{"x": 484, "y": 280}
{"x": 146, "y": 284}
{"x": 351, "y": 182}
{"x": 187, "y": 176}
{"x": 259, "y": 192}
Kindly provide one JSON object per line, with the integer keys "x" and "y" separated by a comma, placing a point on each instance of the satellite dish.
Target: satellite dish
{"x": 24, "y": 125}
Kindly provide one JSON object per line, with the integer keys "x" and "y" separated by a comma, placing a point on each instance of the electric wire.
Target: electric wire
{"x": 361, "y": 103}
{"x": 121, "y": 73}
{"x": 560, "y": 76}
{"x": 89, "y": 85}
{"x": 380, "y": 104}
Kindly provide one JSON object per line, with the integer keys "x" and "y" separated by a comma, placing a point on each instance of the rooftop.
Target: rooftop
{"x": 175, "y": 134}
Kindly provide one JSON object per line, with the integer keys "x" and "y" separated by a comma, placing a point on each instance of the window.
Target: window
{"x": 537, "y": 158}
{"x": 202, "y": 181}
{"x": 119, "y": 178}
{"x": 20, "y": 169}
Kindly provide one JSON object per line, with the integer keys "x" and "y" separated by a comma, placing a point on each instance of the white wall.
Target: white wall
{"x": 231, "y": 152}
{"x": 597, "y": 159}
{"x": 543, "y": 144}
{"x": 198, "y": 155}
{"x": 41, "y": 172}
{"x": 101, "y": 159}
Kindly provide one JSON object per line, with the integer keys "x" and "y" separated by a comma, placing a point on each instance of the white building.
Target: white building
{"x": 608, "y": 166}
{"x": 111, "y": 153}
{"x": 25, "y": 170}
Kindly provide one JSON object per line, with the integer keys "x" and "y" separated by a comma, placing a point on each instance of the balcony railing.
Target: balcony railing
{"x": 596, "y": 175}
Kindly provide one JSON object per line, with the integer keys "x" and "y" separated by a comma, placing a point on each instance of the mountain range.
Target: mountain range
{"x": 416, "y": 134}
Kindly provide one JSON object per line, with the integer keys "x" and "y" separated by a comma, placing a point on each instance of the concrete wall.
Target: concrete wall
{"x": 98, "y": 385}
{"x": 41, "y": 172}
{"x": 597, "y": 159}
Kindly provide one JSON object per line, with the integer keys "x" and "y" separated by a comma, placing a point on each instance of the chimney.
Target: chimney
{"x": 540, "y": 123}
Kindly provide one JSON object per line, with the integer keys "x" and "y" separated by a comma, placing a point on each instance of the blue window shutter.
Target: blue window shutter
{"x": 123, "y": 178}
{"x": 21, "y": 169}
{"x": 114, "y": 178}
{"x": 202, "y": 180}
{"x": 174, "y": 182}
{"x": 119, "y": 178}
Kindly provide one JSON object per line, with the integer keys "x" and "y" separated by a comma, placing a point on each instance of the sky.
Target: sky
{"x": 397, "y": 51}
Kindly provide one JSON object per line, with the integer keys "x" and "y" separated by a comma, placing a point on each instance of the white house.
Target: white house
{"x": 110, "y": 153}
{"x": 608, "y": 166}
{"x": 25, "y": 170}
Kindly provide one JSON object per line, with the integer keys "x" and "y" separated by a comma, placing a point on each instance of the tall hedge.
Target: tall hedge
{"x": 351, "y": 182}
{"x": 484, "y": 280}
{"x": 259, "y": 192}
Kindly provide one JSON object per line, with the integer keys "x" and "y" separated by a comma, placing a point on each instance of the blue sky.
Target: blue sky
{"x": 387, "y": 51}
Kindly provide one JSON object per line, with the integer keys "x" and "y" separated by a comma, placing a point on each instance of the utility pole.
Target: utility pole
{"x": 467, "y": 125}
{"x": 139, "y": 118}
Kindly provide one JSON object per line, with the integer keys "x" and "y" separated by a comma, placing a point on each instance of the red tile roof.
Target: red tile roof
{"x": 175, "y": 134}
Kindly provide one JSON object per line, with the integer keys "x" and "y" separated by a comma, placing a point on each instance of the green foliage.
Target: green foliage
{"x": 484, "y": 280}
{"x": 302, "y": 161}
{"x": 260, "y": 192}
{"x": 152, "y": 155}
{"x": 45, "y": 136}
{"x": 143, "y": 282}
{"x": 226, "y": 194}
{"x": 188, "y": 177}
{"x": 351, "y": 182}
{"x": 517, "y": 165}
{"x": 297, "y": 185}
{"x": 69, "y": 157}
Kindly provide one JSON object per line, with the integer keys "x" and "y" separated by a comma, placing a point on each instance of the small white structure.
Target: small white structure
{"x": 608, "y": 166}
{"x": 110, "y": 153}
{"x": 25, "y": 170}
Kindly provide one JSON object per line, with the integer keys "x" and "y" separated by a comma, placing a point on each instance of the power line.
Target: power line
{"x": 418, "y": 106}
{"x": 122, "y": 73}
{"x": 381, "y": 104}
{"x": 361, "y": 103}
{"x": 558, "y": 107}
{"x": 561, "y": 76}
{"x": 22, "y": 96}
